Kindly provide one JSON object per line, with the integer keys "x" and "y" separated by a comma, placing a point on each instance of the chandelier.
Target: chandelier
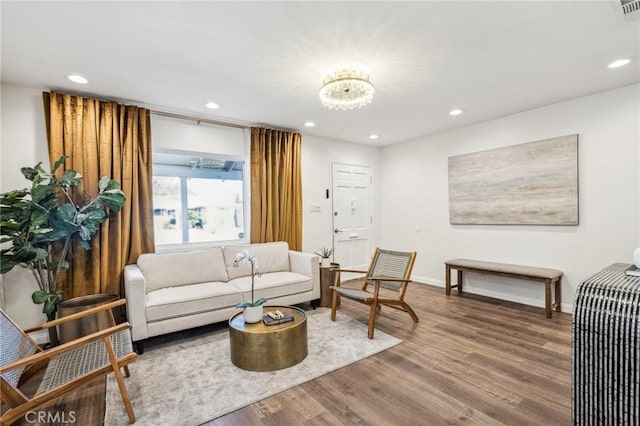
{"x": 346, "y": 89}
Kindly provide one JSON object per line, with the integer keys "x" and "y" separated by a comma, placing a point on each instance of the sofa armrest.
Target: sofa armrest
{"x": 135, "y": 290}
{"x": 309, "y": 265}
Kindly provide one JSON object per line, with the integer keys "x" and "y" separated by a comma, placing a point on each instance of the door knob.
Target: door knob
{"x": 337, "y": 230}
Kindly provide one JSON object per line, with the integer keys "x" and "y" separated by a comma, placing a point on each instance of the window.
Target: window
{"x": 197, "y": 199}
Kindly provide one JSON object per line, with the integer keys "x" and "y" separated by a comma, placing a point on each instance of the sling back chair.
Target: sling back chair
{"x": 68, "y": 366}
{"x": 389, "y": 273}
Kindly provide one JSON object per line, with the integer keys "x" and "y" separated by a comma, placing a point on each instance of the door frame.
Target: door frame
{"x": 370, "y": 200}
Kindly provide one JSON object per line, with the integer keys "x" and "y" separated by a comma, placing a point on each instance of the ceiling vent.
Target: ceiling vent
{"x": 631, "y": 9}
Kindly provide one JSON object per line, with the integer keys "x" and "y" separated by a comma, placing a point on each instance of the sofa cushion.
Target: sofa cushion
{"x": 163, "y": 270}
{"x": 270, "y": 257}
{"x": 181, "y": 301}
{"x": 274, "y": 284}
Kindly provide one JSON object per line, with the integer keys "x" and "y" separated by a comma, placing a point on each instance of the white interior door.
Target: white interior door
{"x": 352, "y": 220}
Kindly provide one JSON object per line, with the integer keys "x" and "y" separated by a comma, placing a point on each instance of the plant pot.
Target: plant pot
{"x": 253, "y": 314}
{"x": 84, "y": 326}
{"x": 327, "y": 278}
{"x": 325, "y": 262}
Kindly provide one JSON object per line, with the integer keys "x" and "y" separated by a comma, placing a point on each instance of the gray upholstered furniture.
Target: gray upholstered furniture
{"x": 605, "y": 349}
{"x": 168, "y": 292}
{"x": 546, "y": 276}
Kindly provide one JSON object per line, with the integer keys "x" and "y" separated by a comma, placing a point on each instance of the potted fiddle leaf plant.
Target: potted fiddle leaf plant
{"x": 252, "y": 310}
{"x": 41, "y": 223}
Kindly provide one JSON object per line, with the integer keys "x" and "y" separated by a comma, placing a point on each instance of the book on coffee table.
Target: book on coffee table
{"x": 633, "y": 271}
{"x": 268, "y": 320}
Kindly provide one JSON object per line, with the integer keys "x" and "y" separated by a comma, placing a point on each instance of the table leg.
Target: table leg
{"x": 547, "y": 298}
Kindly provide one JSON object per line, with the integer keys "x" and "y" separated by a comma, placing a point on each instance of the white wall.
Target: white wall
{"x": 187, "y": 135}
{"x": 411, "y": 178}
{"x": 318, "y": 154}
{"x": 415, "y": 210}
{"x": 24, "y": 143}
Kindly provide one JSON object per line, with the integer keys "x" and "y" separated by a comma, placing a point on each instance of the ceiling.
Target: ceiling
{"x": 263, "y": 62}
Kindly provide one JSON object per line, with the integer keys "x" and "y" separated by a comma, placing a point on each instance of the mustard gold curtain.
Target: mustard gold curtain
{"x": 276, "y": 187}
{"x": 105, "y": 139}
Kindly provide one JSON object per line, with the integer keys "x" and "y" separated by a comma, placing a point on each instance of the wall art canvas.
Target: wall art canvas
{"x": 533, "y": 183}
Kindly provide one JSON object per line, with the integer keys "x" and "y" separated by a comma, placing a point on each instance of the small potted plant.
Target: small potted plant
{"x": 325, "y": 253}
{"x": 252, "y": 310}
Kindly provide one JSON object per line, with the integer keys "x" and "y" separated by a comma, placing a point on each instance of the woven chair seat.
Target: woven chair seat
{"x": 353, "y": 293}
{"x": 388, "y": 277}
{"x": 73, "y": 364}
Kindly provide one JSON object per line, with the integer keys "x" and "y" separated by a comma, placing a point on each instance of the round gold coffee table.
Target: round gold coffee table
{"x": 258, "y": 347}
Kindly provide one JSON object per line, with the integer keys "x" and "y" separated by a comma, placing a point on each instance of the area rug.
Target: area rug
{"x": 191, "y": 380}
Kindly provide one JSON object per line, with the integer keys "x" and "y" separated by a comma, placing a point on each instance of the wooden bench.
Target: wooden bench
{"x": 531, "y": 273}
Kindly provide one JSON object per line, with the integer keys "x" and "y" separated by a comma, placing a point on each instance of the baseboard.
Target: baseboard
{"x": 565, "y": 307}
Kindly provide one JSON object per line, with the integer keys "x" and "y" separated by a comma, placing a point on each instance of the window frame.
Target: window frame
{"x": 184, "y": 172}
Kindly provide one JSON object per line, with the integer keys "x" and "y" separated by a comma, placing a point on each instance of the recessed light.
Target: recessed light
{"x": 78, "y": 79}
{"x": 456, "y": 111}
{"x": 619, "y": 63}
{"x": 212, "y": 105}
{"x": 309, "y": 124}
{"x": 373, "y": 136}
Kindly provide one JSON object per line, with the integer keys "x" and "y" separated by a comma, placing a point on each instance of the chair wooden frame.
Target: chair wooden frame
{"x": 374, "y": 300}
{"x": 19, "y": 404}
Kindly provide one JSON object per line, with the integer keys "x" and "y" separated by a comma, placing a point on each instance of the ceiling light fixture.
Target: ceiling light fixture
{"x": 456, "y": 111}
{"x": 619, "y": 63}
{"x": 212, "y": 105}
{"x": 374, "y": 136}
{"x": 309, "y": 124}
{"x": 346, "y": 89}
{"x": 78, "y": 79}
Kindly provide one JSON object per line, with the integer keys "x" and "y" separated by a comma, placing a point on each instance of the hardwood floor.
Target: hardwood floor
{"x": 470, "y": 360}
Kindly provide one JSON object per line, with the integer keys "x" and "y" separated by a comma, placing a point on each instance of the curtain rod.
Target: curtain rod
{"x": 198, "y": 120}
{"x": 162, "y": 113}
{"x": 218, "y": 122}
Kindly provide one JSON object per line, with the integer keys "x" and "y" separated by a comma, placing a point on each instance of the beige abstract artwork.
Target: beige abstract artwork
{"x": 533, "y": 183}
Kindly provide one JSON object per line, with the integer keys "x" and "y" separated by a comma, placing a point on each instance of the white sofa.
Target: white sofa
{"x": 167, "y": 292}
